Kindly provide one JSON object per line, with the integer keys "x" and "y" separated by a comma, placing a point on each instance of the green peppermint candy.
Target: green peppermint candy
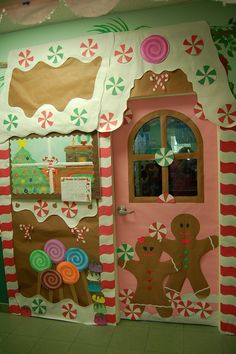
{"x": 80, "y": 117}
{"x": 115, "y": 85}
{"x": 125, "y": 252}
{"x": 164, "y": 156}
{"x": 39, "y": 307}
{"x": 11, "y": 122}
{"x": 206, "y": 76}
{"x": 55, "y": 54}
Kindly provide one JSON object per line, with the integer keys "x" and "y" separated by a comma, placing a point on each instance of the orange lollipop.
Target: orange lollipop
{"x": 69, "y": 272}
{"x": 70, "y": 275}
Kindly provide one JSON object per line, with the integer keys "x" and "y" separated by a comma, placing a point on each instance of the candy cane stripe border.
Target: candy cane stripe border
{"x": 7, "y": 229}
{"x": 106, "y": 238}
{"x": 227, "y": 230}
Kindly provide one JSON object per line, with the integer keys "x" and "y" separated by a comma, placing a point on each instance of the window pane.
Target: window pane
{"x": 148, "y": 138}
{"x": 179, "y": 136}
{"x": 148, "y": 178}
{"x": 38, "y": 164}
{"x": 183, "y": 177}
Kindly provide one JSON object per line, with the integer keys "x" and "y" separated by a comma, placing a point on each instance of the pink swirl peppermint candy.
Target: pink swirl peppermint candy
{"x": 154, "y": 49}
{"x": 55, "y": 249}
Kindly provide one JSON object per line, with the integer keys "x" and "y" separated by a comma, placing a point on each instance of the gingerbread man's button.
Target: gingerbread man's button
{"x": 149, "y": 271}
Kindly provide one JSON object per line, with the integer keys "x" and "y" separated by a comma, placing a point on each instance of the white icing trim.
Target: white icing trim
{"x": 212, "y": 244}
{"x": 174, "y": 265}
{"x": 201, "y": 290}
{"x": 170, "y": 289}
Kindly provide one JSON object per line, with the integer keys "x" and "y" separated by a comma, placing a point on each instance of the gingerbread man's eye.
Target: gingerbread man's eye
{"x": 181, "y": 225}
{"x": 187, "y": 225}
{"x": 151, "y": 248}
{"x": 145, "y": 248}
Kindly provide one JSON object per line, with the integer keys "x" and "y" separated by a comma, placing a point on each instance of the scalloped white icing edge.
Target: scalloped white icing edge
{"x": 83, "y": 211}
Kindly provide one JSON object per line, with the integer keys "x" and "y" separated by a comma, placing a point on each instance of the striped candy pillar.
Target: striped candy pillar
{"x": 6, "y": 228}
{"x": 106, "y": 237}
{"x": 228, "y": 230}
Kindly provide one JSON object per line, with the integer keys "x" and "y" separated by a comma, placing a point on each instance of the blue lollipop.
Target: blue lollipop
{"x": 78, "y": 257}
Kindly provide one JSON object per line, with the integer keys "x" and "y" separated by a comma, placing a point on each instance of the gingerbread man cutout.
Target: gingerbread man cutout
{"x": 150, "y": 274}
{"x": 185, "y": 227}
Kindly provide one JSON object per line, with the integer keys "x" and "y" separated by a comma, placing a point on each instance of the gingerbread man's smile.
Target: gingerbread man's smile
{"x": 148, "y": 254}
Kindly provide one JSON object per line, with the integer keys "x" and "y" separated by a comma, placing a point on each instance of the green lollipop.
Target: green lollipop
{"x": 40, "y": 260}
{"x": 125, "y": 252}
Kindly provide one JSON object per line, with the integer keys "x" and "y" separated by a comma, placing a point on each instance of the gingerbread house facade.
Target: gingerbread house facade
{"x": 159, "y": 97}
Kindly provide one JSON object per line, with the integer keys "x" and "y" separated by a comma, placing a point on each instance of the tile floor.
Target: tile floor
{"x": 24, "y": 335}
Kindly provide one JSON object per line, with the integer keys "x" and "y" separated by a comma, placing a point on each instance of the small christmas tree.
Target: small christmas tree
{"x": 27, "y": 179}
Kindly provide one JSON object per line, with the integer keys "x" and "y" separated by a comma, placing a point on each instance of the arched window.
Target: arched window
{"x": 166, "y": 156}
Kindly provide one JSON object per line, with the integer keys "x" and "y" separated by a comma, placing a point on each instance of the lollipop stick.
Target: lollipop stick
{"x": 124, "y": 264}
{"x": 50, "y": 298}
{"x": 61, "y": 294}
{"x": 38, "y": 284}
{"x": 85, "y": 284}
{"x": 72, "y": 288}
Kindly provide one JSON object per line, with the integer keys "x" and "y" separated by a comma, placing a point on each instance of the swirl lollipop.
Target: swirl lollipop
{"x": 40, "y": 261}
{"x": 70, "y": 276}
{"x": 125, "y": 253}
{"x": 55, "y": 249}
{"x": 77, "y": 257}
{"x": 154, "y": 49}
{"x": 51, "y": 280}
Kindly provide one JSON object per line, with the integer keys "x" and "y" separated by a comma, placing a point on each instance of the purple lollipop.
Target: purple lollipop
{"x": 154, "y": 49}
{"x": 55, "y": 249}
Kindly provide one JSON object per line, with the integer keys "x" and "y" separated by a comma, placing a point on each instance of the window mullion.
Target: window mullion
{"x": 164, "y": 170}
{"x": 163, "y": 130}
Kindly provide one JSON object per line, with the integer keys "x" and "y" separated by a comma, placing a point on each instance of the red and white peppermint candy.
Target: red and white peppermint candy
{"x": 132, "y": 312}
{"x": 128, "y": 116}
{"x": 194, "y": 45}
{"x": 174, "y": 297}
{"x": 157, "y": 230}
{"x": 69, "y": 311}
{"x": 203, "y": 309}
{"x": 228, "y": 115}
{"x": 124, "y": 54}
{"x": 25, "y": 58}
{"x": 165, "y": 198}
{"x": 126, "y": 295}
{"x": 41, "y": 208}
{"x": 107, "y": 121}
{"x": 185, "y": 308}
{"x": 45, "y": 119}
{"x": 89, "y": 48}
{"x": 70, "y": 209}
{"x": 198, "y": 111}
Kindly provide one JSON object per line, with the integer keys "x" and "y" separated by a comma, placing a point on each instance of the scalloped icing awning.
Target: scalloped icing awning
{"x": 124, "y": 57}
